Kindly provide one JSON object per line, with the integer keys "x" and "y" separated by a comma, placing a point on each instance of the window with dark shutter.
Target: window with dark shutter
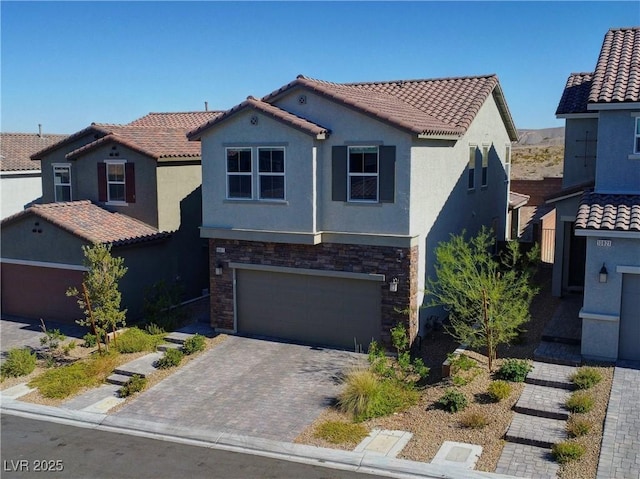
{"x": 387, "y": 174}
{"x": 130, "y": 173}
{"x": 361, "y": 175}
{"x": 339, "y": 173}
{"x": 102, "y": 182}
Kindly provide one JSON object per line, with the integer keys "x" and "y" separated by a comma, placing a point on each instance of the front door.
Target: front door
{"x": 577, "y": 258}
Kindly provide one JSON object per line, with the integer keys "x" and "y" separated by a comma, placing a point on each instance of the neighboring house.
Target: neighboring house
{"x": 517, "y": 202}
{"x": 598, "y": 211}
{"x": 323, "y": 202}
{"x": 135, "y": 186}
{"x": 20, "y": 181}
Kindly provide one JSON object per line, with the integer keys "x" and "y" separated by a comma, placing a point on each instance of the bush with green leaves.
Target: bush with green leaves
{"x": 135, "y": 340}
{"x": 170, "y": 359}
{"x": 340, "y": 432}
{"x": 514, "y": 370}
{"x": 50, "y": 343}
{"x": 366, "y": 396}
{"x": 580, "y": 402}
{"x": 194, "y": 344}
{"x": 499, "y": 390}
{"x": 461, "y": 362}
{"x": 586, "y": 377}
{"x": 453, "y": 401}
{"x": 154, "y": 329}
{"x": 90, "y": 340}
{"x": 70, "y": 346}
{"x": 160, "y": 303}
{"x": 577, "y": 427}
{"x": 19, "y": 362}
{"x": 567, "y": 451}
{"x": 136, "y": 384}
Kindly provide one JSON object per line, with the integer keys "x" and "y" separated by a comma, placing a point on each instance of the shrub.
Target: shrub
{"x": 514, "y": 370}
{"x": 499, "y": 390}
{"x": 566, "y": 451}
{"x": 474, "y": 420}
{"x": 154, "y": 329}
{"x": 577, "y": 427}
{"x": 171, "y": 359}
{"x": 453, "y": 401}
{"x": 461, "y": 362}
{"x": 194, "y": 344}
{"x": 67, "y": 348}
{"x": 586, "y": 377}
{"x": 365, "y": 396}
{"x": 159, "y": 305}
{"x": 134, "y": 340}
{"x": 339, "y": 432}
{"x": 580, "y": 401}
{"x": 90, "y": 340}
{"x": 19, "y": 362}
{"x": 136, "y": 384}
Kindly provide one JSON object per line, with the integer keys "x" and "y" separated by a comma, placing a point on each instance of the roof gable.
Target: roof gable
{"x": 92, "y": 223}
{"x": 272, "y": 111}
{"x": 16, "y": 149}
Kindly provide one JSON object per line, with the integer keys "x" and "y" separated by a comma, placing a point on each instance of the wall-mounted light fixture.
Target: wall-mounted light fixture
{"x": 219, "y": 269}
{"x": 603, "y": 274}
{"x": 393, "y": 285}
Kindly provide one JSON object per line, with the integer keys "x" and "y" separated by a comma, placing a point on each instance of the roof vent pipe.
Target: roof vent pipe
{"x": 40, "y": 130}
{"x": 206, "y": 106}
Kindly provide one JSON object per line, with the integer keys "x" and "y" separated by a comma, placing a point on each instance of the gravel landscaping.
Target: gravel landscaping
{"x": 432, "y": 426}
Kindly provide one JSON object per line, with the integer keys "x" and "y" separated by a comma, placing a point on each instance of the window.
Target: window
{"x": 507, "y": 161}
{"x": 116, "y": 184}
{"x": 363, "y": 173}
{"x": 485, "y": 165}
{"x": 239, "y": 173}
{"x": 637, "y": 136}
{"x": 62, "y": 182}
{"x": 472, "y": 167}
{"x": 271, "y": 173}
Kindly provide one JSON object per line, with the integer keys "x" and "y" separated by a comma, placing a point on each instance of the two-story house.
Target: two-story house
{"x": 323, "y": 202}
{"x": 598, "y": 217}
{"x": 136, "y": 187}
{"x": 20, "y": 181}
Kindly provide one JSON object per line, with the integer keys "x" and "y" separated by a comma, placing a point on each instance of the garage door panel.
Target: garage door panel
{"x": 314, "y": 309}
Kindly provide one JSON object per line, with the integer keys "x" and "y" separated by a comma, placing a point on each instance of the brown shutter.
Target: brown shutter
{"x": 130, "y": 182}
{"x": 387, "y": 174}
{"x": 339, "y": 173}
{"x": 102, "y": 182}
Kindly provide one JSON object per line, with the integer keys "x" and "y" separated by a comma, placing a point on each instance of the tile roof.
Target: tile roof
{"x": 16, "y": 149}
{"x": 616, "y": 78}
{"x": 576, "y": 94}
{"x": 444, "y": 106}
{"x": 155, "y": 142}
{"x": 92, "y": 223}
{"x": 609, "y": 212}
{"x": 268, "y": 109}
{"x": 617, "y": 74}
{"x": 187, "y": 120}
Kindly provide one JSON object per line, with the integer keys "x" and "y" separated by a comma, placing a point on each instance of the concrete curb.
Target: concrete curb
{"x": 333, "y": 458}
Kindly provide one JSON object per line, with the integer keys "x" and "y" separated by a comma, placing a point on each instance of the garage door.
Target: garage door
{"x": 629, "y": 344}
{"x": 39, "y": 292}
{"x": 313, "y": 309}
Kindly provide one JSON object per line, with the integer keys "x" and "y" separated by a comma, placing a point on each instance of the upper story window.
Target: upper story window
{"x": 271, "y": 173}
{"x": 239, "y": 173}
{"x": 471, "y": 180}
{"x": 485, "y": 165}
{"x": 62, "y": 181}
{"x": 637, "y": 137}
{"x": 116, "y": 182}
{"x": 363, "y": 173}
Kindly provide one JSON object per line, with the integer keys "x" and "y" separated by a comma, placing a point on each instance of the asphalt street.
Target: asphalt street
{"x": 32, "y": 448}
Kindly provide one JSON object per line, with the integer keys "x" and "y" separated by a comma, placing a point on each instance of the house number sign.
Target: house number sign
{"x": 603, "y": 242}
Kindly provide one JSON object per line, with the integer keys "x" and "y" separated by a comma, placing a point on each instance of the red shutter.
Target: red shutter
{"x": 102, "y": 182}
{"x": 130, "y": 182}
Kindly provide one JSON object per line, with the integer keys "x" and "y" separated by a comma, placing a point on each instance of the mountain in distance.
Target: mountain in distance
{"x": 538, "y": 154}
{"x": 541, "y": 137}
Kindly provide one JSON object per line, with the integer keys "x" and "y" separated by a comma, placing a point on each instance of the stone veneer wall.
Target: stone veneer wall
{"x": 401, "y": 263}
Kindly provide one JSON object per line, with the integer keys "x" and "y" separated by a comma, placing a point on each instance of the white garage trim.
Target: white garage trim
{"x": 598, "y": 316}
{"x": 43, "y": 264}
{"x": 310, "y": 272}
{"x": 628, "y": 269}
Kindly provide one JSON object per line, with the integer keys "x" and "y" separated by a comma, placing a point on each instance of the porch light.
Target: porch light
{"x": 393, "y": 285}
{"x": 219, "y": 269}
{"x": 603, "y": 274}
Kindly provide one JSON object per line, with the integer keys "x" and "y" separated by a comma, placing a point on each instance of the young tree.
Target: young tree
{"x": 487, "y": 299}
{"x": 100, "y": 298}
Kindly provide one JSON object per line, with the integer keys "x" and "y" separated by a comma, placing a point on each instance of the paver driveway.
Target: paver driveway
{"x": 247, "y": 386}
{"x": 20, "y": 332}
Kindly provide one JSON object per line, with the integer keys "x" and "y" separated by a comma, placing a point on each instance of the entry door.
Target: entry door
{"x": 629, "y": 344}
{"x": 577, "y": 258}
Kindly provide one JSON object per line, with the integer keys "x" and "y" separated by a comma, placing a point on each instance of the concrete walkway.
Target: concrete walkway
{"x": 620, "y": 449}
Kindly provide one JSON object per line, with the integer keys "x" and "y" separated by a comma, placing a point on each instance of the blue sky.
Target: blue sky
{"x": 67, "y": 64}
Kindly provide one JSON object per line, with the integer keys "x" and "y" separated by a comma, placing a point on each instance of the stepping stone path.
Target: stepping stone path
{"x": 538, "y": 423}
